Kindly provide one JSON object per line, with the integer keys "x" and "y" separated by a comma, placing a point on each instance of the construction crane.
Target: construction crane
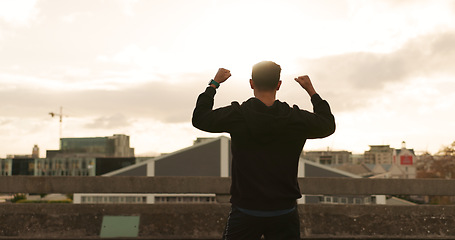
{"x": 60, "y": 115}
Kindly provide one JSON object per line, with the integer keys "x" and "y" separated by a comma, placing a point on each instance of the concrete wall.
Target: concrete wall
{"x": 207, "y": 221}
{"x": 219, "y": 185}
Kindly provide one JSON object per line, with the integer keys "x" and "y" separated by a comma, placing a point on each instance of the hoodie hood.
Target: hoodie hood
{"x": 265, "y": 122}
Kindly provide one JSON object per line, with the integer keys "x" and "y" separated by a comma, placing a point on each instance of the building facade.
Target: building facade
{"x": 403, "y": 164}
{"x": 378, "y": 154}
{"x": 62, "y": 166}
{"x": 76, "y": 166}
{"x": 406, "y": 160}
{"x": 6, "y": 167}
{"x": 117, "y": 145}
{"x": 328, "y": 157}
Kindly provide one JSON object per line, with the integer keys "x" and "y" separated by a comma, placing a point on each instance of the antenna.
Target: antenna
{"x": 60, "y": 115}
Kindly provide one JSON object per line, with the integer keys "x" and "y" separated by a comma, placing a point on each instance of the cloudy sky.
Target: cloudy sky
{"x": 137, "y": 67}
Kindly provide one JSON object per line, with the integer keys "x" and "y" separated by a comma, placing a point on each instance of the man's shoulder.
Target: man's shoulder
{"x": 235, "y": 104}
{"x": 244, "y": 103}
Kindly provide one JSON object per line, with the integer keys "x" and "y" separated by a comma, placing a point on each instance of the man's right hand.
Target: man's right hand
{"x": 222, "y": 75}
{"x": 306, "y": 84}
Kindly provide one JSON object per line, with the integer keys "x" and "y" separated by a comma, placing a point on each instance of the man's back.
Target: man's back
{"x": 266, "y": 145}
{"x": 267, "y": 139}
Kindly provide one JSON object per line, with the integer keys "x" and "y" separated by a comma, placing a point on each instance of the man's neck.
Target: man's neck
{"x": 267, "y": 97}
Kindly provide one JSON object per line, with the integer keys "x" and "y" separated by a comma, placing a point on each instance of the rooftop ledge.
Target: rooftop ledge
{"x": 206, "y": 221}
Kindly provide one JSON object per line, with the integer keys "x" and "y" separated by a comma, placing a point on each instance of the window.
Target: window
{"x": 328, "y": 199}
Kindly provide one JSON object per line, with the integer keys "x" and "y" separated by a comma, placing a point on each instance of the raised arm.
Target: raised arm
{"x": 204, "y": 116}
{"x": 221, "y": 76}
{"x": 320, "y": 123}
{"x": 306, "y": 84}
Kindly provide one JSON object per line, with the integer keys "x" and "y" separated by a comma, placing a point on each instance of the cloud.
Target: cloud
{"x": 127, "y": 6}
{"x": 164, "y": 101}
{"x": 422, "y": 56}
{"x": 18, "y": 12}
{"x": 4, "y": 122}
{"x": 109, "y": 122}
{"x": 71, "y": 18}
{"x": 349, "y": 81}
{"x": 353, "y": 78}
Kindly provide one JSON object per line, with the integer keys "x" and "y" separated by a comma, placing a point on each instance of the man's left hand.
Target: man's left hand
{"x": 222, "y": 75}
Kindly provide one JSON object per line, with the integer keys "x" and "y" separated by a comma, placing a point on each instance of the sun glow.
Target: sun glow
{"x": 238, "y": 36}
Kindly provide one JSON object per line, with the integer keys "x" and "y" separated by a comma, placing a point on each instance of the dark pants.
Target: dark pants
{"x": 243, "y": 226}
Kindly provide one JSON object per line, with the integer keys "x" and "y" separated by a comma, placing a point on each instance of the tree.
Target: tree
{"x": 442, "y": 165}
{"x": 448, "y": 150}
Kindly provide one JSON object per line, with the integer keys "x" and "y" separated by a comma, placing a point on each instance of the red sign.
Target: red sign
{"x": 406, "y": 160}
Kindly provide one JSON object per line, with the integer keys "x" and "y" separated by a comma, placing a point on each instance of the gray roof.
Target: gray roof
{"x": 200, "y": 159}
{"x": 358, "y": 169}
{"x": 313, "y": 169}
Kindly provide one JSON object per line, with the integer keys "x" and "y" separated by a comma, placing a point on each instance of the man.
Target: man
{"x": 267, "y": 137}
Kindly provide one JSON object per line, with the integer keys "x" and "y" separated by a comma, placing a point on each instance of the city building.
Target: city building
{"x": 76, "y": 157}
{"x": 406, "y": 159}
{"x": 35, "y": 151}
{"x": 209, "y": 157}
{"x": 35, "y": 154}
{"x": 311, "y": 169}
{"x": 206, "y": 157}
{"x": 6, "y": 168}
{"x": 79, "y": 166}
{"x": 357, "y": 158}
{"x": 23, "y": 166}
{"x": 378, "y": 154}
{"x": 403, "y": 164}
{"x": 328, "y": 157}
{"x": 117, "y": 145}
{"x": 62, "y": 166}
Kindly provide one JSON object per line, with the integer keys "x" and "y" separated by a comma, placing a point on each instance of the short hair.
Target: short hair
{"x": 266, "y": 75}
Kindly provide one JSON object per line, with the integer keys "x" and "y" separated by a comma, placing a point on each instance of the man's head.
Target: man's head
{"x": 266, "y": 76}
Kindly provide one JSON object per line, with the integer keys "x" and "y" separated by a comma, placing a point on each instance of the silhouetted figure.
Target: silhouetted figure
{"x": 267, "y": 137}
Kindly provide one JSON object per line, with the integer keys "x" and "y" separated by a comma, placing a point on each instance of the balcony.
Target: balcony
{"x": 206, "y": 221}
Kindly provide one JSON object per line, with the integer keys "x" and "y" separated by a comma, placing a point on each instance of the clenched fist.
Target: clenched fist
{"x": 222, "y": 75}
{"x": 306, "y": 84}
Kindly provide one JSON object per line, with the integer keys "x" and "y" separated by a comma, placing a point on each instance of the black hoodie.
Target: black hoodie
{"x": 266, "y": 143}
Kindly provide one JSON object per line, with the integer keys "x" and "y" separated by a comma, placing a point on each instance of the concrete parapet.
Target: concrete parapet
{"x": 118, "y": 184}
{"x": 207, "y": 221}
{"x": 84, "y": 221}
{"x": 377, "y": 221}
{"x": 220, "y": 185}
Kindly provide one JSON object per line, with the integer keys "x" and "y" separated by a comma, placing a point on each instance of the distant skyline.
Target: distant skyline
{"x": 136, "y": 68}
